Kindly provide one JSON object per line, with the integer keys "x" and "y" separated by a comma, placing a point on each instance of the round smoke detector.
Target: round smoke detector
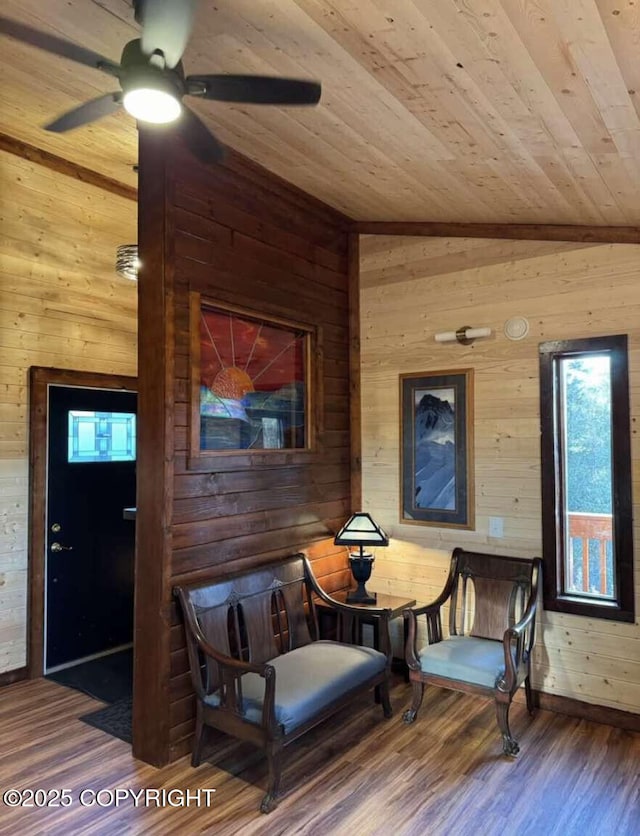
{"x": 516, "y": 328}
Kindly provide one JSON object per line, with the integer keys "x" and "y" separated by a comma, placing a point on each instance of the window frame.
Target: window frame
{"x": 622, "y": 607}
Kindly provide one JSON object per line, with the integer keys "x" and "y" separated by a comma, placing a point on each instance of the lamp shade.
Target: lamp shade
{"x": 361, "y": 530}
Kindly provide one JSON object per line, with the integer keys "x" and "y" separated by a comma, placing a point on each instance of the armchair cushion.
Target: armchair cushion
{"x": 465, "y": 658}
{"x": 308, "y": 679}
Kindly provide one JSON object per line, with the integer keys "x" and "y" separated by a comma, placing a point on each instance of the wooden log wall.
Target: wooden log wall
{"x": 61, "y": 305}
{"x": 413, "y": 288}
{"x": 238, "y": 236}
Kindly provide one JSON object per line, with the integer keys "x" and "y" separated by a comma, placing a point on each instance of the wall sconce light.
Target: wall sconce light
{"x": 127, "y": 261}
{"x": 465, "y": 335}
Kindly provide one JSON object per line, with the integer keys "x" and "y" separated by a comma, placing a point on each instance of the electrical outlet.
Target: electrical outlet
{"x": 496, "y": 527}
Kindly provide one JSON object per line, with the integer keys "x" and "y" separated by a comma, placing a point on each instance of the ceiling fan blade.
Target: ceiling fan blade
{"x": 87, "y": 112}
{"x": 199, "y": 138}
{"x": 58, "y": 46}
{"x": 254, "y": 89}
{"x": 166, "y": 25}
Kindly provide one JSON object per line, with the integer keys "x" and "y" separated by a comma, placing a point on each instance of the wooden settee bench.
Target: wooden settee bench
{"x": 259, "y": 669}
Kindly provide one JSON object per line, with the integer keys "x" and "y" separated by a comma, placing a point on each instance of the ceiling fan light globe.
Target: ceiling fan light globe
{"x": 152, "y": 105}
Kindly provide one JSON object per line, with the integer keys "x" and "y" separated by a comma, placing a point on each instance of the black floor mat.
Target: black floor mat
{"x": 109, "y": 678}
{"x": 114, "y": 719}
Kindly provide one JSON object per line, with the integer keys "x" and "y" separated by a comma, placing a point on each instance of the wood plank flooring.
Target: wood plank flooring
{"x": 357, "y": 774}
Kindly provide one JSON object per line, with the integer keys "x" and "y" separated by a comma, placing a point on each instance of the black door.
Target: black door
{"x": 90, "y": 546}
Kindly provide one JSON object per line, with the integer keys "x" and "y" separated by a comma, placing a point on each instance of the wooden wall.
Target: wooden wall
{"x": 62, "y": 305}
{"x": 412, "y": 288}
{"x": 237, "y": 235}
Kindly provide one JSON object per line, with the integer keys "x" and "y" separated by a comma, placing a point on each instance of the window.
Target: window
{"x": 586, "y": 478}
{"x": 101, "y": 437}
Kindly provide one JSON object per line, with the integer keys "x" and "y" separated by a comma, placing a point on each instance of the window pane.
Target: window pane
{"x": 587, "y": 510}
{"x": 587, "y": 476}
{"x": 101, "y": 436}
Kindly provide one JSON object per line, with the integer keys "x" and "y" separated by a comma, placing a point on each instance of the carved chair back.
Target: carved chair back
{"x": 489, "y": 594}
{"x": 252, "y": 617}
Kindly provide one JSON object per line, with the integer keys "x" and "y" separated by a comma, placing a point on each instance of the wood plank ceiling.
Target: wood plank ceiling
{"x": 505, "y": 111}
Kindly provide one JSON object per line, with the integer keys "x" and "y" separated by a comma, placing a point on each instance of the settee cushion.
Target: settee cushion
{"x": 308, "y": 679}
{"x": 466, "y": 658}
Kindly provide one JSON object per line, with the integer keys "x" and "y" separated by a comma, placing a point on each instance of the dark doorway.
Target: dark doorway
{"x": 89, "y": 545}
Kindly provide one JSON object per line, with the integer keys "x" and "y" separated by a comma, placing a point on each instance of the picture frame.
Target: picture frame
{"x": 436, "y": 449}
{"x": 251, "y": 389}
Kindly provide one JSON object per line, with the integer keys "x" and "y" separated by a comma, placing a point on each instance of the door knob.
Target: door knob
{"x": 58, "y": 547}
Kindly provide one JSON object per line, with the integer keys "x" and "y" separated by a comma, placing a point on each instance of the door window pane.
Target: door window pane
{"x": 101, "y": 436}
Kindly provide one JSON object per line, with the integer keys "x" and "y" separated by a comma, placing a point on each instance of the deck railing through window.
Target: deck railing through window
{"x": 590, "y": 554}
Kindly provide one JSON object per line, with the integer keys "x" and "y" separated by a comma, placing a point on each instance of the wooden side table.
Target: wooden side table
{"x": 388, "y": 602}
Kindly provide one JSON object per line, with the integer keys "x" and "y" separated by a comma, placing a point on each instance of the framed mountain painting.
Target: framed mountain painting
{"x": 436, "y": 448}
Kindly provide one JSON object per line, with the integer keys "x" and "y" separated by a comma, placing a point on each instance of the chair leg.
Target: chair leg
{"x": 384, "y": 698}
{"x": 418, "y": 693}
{"x": 198, "y": 743}
{"x": 274, "y": 757}
{"x": 509, "y": 744}
{"x": 529, "y": 695}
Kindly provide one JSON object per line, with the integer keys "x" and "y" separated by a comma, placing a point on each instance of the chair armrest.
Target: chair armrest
{"x": 434, "y": 629}
{"x": 518, "y": 642}
{"x": 411, "y": 650}
{"x": 236, "y": 665}
{"x": 434, "y": 605}
{"x": 434, "y": 620}
{"x": 528, "y": 619}
{"x": 354, "y": 612}
{"x": 230, "y": 673}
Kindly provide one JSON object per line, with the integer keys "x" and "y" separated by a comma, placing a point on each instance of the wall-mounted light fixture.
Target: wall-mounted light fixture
{"x": 465, "y": 335}
{"x": 127, "y": 261}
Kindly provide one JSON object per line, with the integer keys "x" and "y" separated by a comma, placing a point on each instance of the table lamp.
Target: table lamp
{"x": 360, "y": 530}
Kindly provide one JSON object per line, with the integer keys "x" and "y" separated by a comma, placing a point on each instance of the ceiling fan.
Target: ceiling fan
{"x": 152, "y": 78}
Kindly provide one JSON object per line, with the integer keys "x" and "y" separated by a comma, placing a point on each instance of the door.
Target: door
{"x": 90, "y": 546}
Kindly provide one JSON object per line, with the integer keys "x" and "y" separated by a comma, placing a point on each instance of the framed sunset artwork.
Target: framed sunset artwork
{"x": 250, "y": 381}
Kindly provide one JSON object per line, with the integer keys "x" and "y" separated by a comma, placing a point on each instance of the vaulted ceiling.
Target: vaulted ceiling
{"x": 506, "y": 111}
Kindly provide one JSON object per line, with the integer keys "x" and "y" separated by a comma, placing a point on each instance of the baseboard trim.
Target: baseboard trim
{"x": 16, "y": 675}
{"x": 585, "y": 710}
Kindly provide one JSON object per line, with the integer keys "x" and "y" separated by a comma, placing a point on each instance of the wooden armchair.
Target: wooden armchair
{"x": 492, "y": 609}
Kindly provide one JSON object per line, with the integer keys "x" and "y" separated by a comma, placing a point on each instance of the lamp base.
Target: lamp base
{"x": 361, "y": 596}
{"x": 361, "y": 565}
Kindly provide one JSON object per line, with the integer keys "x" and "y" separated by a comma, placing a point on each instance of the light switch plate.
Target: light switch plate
{"x": 496, "y": 527}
